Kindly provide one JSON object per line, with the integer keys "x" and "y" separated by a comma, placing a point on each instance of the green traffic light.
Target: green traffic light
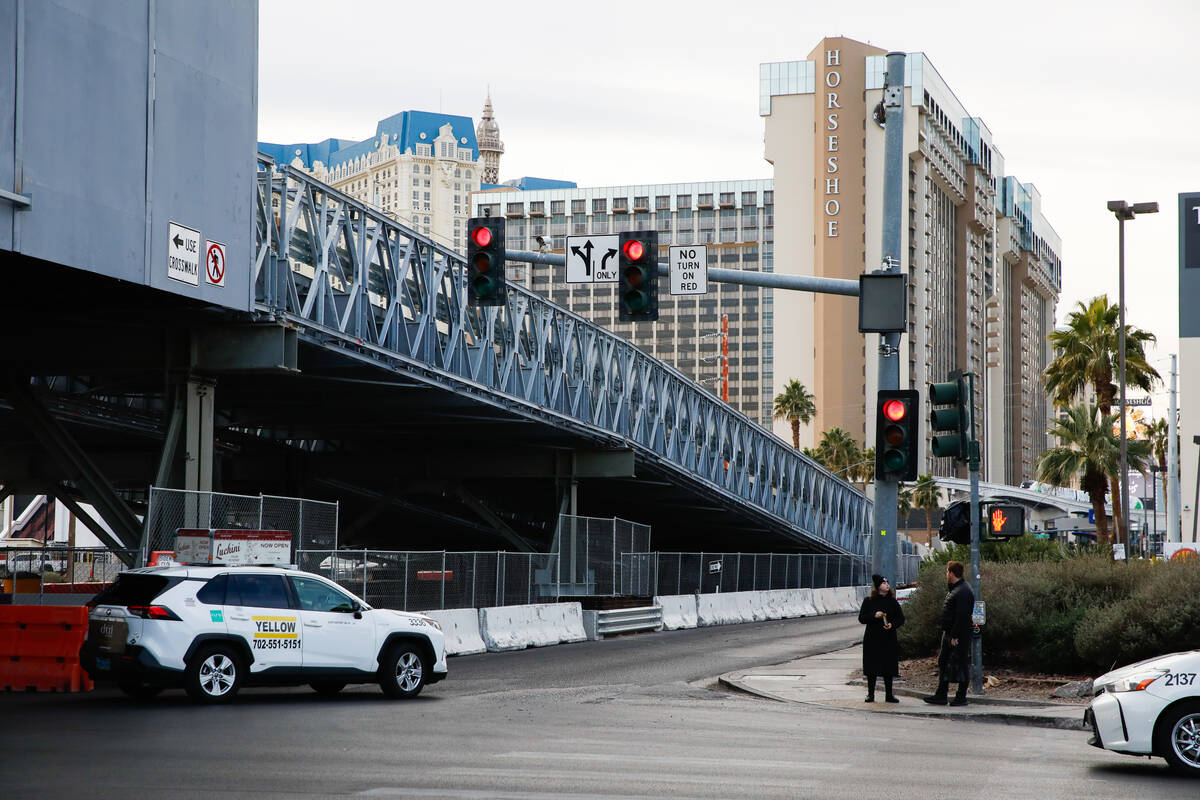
{"x": 894, "y": 460}
{"x": 637, "y": 300}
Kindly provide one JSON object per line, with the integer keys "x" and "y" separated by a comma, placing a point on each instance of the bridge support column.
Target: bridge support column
{"x": 198, "y": 441}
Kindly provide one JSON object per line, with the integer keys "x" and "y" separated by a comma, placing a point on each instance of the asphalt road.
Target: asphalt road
{"x": 635, "y": 717}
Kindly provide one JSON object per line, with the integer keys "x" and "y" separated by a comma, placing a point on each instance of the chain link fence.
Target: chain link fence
{"x": 59, "y": 575}
{"x": 591, "y": 555}
{"x": 426, "y": 581}
{"x": 312, "y": 523}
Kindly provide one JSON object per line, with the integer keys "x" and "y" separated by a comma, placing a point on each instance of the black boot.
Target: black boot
{"x": 960, "y": 697}
{"x": 887, "y": 688}
{"x": 870, "y": 689}
{"x": 938, "y": 698}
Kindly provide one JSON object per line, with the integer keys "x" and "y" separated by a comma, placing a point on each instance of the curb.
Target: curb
{"x": 733, "y": 680}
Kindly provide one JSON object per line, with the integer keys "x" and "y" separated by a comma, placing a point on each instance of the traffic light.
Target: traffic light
{"x": 485, "y": 262}
{"x": 953, "y": 422}
{"x": 1005, "y": 521}
{"x": 639, "y": 276}
{"x": 896, "y": 419}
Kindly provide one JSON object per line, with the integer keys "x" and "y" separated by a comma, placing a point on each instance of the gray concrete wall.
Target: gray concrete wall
{"x": 107, "y": 167}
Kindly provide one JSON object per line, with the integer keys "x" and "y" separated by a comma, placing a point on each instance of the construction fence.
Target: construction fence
{"x": 426, "y": 581}
{"x": 312, "y": 523}
{"x": 58, "y": 575}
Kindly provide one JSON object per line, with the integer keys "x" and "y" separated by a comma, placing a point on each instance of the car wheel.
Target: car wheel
{"x": 402, "y": 671}
{"x": 139, "y": 690}
{"x": 327, "y": 688}
{"x": 1178, "y": 738}
{"x": 214, "y": 674}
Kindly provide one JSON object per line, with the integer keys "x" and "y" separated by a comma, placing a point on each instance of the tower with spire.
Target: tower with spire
{"x": 490, "y": 146}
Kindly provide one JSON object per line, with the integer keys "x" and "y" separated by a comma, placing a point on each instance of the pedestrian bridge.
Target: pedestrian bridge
{"x": 364, "y": 288}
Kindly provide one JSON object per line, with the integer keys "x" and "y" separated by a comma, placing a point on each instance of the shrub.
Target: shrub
{"x": 1078, "y": 614}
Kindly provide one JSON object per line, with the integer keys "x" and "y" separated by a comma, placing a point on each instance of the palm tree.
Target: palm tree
{"x": 796, "y": 405}
{"x": 1090, "y": 451}
{"x": 1158, "y": 431}
{"x": 927, "y": 496}
{"x": 1088, "y": 355}
{"x": 904, "y": 504}
{"x": 838, "y": 452}
{"x": 864, "y": 473}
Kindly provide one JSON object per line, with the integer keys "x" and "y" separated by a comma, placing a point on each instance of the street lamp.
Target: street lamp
{"x": 1124, "y": 211}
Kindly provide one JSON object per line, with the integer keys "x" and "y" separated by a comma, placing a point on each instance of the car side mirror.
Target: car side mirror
{"x": 358, "y": 609}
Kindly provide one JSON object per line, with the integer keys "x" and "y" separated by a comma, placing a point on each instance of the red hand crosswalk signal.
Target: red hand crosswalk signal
{"x": 896, "y": 428}
{"x": 485, "y": 262}
{"x": 638, "y": 280}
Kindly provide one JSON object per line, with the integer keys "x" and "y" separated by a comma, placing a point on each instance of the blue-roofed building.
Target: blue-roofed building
{"x": 420, "y": 168}
{"x": 531, "y": 184}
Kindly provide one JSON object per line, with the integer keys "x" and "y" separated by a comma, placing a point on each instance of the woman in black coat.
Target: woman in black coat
{"x": 882, "y": 615}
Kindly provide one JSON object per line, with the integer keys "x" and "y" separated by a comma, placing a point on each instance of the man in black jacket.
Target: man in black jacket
{"x": 954, "y": 659}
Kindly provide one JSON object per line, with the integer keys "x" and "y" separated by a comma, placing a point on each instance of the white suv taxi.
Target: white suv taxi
{"x": 1150, "y": 708}
{"x": 213, "y": 630}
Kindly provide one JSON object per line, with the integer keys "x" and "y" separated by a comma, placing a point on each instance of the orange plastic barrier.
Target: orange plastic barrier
{"x": 39, "y": 648}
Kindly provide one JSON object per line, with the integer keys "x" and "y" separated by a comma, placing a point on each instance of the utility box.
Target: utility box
{"x": 232, "y": 547}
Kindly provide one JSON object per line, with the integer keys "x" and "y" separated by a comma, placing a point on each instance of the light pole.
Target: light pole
{"x": 1124, "y": 211}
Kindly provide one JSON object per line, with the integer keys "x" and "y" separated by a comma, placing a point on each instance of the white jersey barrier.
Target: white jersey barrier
{"x": 518, "y": 627}
{"x": 470, "y": 630}
{"x": 678, "y": 610}
{"x": 461, "y": 629}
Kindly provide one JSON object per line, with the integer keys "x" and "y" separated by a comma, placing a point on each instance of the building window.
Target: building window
{"x": 428, "y": 171}
{"x": 516, "y": 209}
{"x": 662, "y": 203}
{"x": 641, "y": 203}
{"x": 620, "y": 205}
{"x": 599, "y": 206}
{"x": 537, "y": 208}
{"x": 578, "y": 206}
{"x": 704, "y": 201}
{"x": 558, "y": 207}
{"x": 683, "y": 201}
{"x": 726, "y": 199}
{"x": 749, "y": 199}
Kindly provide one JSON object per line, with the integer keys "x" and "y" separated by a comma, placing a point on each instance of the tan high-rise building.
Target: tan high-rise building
{"x": 983, "y": 263}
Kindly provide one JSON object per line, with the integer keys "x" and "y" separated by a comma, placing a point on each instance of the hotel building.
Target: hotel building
{"x": 983, "y": 262}
{"x": 735, "y": 219}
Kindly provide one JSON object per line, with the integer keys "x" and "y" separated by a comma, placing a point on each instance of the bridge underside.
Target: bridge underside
{"x": 414, "y": 466}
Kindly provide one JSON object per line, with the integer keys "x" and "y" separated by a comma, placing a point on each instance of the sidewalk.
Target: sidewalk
{"x": 824, "y": 680}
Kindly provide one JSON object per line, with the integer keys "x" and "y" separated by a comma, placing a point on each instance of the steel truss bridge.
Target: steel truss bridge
{"x": 361, "y": 375}
{"x": 355, "y": 283}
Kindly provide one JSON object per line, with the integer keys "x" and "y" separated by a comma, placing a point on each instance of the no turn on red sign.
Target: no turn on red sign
{"x": 214, "y": 263}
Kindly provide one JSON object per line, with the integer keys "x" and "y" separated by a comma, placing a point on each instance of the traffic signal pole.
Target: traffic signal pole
{"x": 883, "y": 532}
{"x": 976, "y": 582}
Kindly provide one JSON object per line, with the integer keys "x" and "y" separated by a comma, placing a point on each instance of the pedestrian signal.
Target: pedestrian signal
{"x": 1005, "y": 521}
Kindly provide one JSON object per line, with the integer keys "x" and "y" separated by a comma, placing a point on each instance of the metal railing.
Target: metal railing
{"x": 349, "y": 277}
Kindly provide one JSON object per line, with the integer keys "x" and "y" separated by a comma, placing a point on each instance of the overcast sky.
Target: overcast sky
{"x": 1089, "y": 101}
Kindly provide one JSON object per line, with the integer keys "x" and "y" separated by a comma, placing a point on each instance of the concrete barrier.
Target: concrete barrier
{"x": 461, "y": 629}
{"x": 679, "y": 611}
{"x": 518, "y": 627}
{"x": 718, "y": 609}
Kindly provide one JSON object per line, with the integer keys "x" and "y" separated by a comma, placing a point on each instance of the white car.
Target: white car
{"x": 213, "y": 630}
{"x": 1150, "y": 708}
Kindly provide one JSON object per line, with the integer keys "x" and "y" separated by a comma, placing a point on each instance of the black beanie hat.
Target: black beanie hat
{"x": 877, "y": 579}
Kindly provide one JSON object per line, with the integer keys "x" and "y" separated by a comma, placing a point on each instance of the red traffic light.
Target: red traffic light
{"x": 895, "y": 410}
{"x": 482, "y": 236}
{"x": 634, "y": 250}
